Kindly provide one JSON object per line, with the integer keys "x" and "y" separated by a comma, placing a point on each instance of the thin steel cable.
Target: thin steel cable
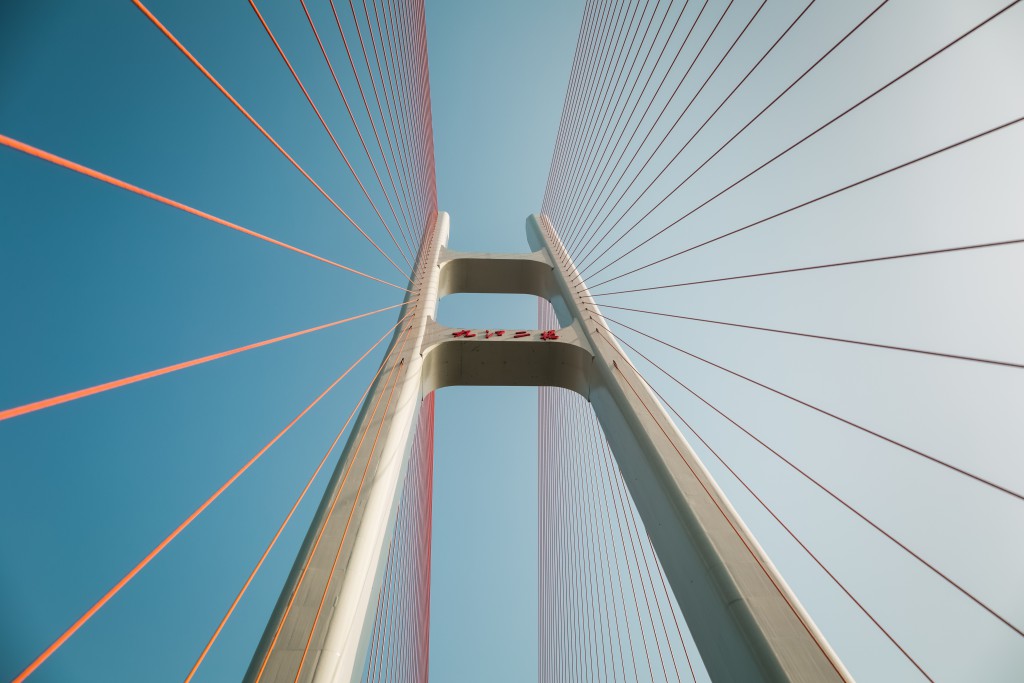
{"x": 828, "y": 123}
{"x": 577, "y": 53}
{"x": 661, "y": 83}
{"x": 327, "y": 129}
{"x": 799, "y": 542}
{"x": 685, "y": 109}
{"x": 599, "y": 484}
{"x": 399, "y": 147}
{"x": 866, "y": 430}
{"x": 839, "y": 264}
{"x": 643, "y": 90}
{"x": 586, "y": 554}
{"x": 767, "y": 508}
{"x": 833, "y": 48}
{"x": 876, "y": 345}
{"x": 380, "y": 107}
{"x": 595, "y": 126}
{"x": 406, "y": 211}
{"x": 809, "y": 202}
{"x": 706, "y": 120}
{"x": 679, "y": 85}
{"x": 602, "y": 144}
{"x": 796, "y": 613}
{"x": 583, "y": 90}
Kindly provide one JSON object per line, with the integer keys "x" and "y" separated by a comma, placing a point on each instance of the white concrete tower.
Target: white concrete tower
{"x": 747, "y": 623}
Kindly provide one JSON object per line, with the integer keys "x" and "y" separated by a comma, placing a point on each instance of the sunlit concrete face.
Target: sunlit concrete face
{"x": 503, "y": 357}
{"x": 747, "y": 623}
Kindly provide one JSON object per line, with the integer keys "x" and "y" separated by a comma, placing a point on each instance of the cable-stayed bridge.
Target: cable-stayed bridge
{"x": 777, "y": 344}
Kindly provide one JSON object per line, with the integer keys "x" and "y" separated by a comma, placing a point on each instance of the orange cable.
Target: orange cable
{"x": 132, "y": 379}
{"x": 181, "y": 527}
{"x": 97, "y": 175}
{"x": 216, "y": 83}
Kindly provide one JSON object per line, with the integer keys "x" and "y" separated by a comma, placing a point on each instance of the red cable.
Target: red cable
{"x": 657, "y": 60}
{"x": 802, "y": 545}
{"x": 110, "y": 180}
{"x": 675, "y": 91}
{"x": 808, "y": 335}
{"x": 71, "y": 630}
{"x": 685, "y": 109}
{"x": 796, "y": 612}
{"x": 604, "y": 486}
{"x": 397, "y": 100}
{"x": 132, "y": 379}
{"x": 815, "y": 200}
{"x": 599, "y": 595}
{"x": 591, "y": 26}
{"x": 380, "y": 107}
{"x": 840, "y": 264}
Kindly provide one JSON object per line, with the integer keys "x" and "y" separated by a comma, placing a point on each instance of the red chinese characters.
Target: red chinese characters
{"x": 547, "y": 335}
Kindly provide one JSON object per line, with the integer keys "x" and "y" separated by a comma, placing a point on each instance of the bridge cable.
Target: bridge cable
{"x": 359, "y": 133}
{"x": 807, "y": 335}
{"x": 586, "y": 264}
{"x": 838, "y": 264}
{"x": 110, "y": 180}
{"x": 167, "y": 369}
{"x": 692, "y": 100}
{"x": 820, "y": 128}
{"x": 348, "y": 522}
{"x": 284, "y": 523}
{"x": 866, "y": 430}
{"x": 163, "y": 29}
{"x": 858, "y": 183}
{"x": 81, "y": 621}
{"x": 771, "y": 512}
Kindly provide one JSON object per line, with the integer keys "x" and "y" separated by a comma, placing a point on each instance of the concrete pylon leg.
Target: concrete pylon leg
{"x": 321, "y": 625}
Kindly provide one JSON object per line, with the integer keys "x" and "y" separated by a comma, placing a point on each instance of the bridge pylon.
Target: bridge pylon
{"x": 747, "y": 623}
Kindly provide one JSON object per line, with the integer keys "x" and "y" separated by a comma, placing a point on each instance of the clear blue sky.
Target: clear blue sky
{"x": 99, "y": 284}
